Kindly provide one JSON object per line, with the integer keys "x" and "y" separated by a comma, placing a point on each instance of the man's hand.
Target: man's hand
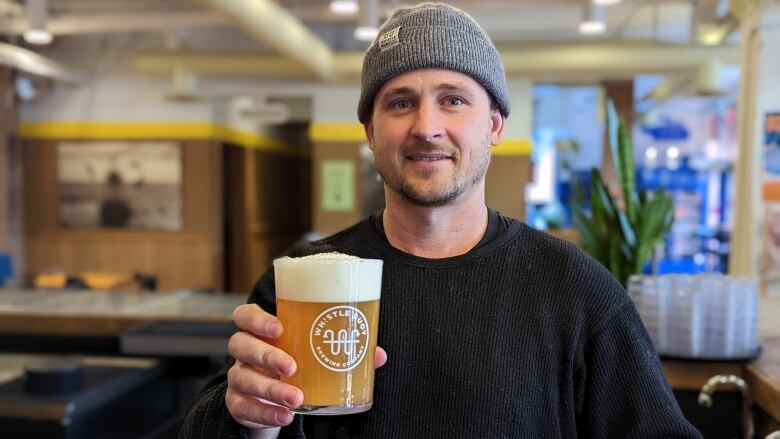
{"x": 256, "y": 397}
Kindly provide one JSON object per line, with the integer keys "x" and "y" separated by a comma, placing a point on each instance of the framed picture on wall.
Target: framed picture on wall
{"x": 120, "y": 185}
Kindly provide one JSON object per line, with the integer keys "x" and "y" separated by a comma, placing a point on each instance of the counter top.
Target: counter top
{"x": 762, "y": 374}
{"x": 107, "y": 314}
{"x": 100, "y": 313}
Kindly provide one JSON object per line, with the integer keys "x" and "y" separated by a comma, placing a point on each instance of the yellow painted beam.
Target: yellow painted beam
{"x": 337, "y": 132}
{"x": 115, "y": 130}
{"x": 514, "y": 147}
{"x": 153, "y": 131}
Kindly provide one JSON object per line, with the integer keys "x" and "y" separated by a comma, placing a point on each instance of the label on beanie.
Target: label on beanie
{"x": 389, "y": 39}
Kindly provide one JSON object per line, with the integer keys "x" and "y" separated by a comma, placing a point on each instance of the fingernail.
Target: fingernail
{"x": 284, "y": 418}
{"x": 287, "y": 368}
{"x": 274, "y": 329}
{"x": 294, "y": 399}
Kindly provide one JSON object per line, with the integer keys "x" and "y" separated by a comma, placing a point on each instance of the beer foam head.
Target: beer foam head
{"x": 328, "y": 277}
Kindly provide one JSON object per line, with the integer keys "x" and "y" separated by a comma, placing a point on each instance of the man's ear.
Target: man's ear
{"x": 496, "y": 126}
{"x": 368, "y": 127}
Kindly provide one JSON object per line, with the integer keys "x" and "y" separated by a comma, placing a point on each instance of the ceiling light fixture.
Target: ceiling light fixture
{"x": 366, "y": 33}
{"x": 606, "y": 2}
{"x": 36, "y": 16}
{"x": 368, "y": 26}
{"x": 344, "y": 7}
{"x": 592, "y": 20}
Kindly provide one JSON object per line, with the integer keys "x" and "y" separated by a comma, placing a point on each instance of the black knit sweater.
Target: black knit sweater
{"x": 522, "y": 337}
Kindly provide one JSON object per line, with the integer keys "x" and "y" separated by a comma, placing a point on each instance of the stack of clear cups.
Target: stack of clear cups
{"x": 708, "y": 316}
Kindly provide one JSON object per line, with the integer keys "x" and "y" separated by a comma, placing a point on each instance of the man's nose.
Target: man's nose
{"x": 427, "y": 123}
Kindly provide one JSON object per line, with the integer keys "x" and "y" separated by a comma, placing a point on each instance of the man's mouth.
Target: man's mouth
{"x": 428, "y": 157}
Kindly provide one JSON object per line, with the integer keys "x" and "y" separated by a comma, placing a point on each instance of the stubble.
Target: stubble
{"x": 462, "y": 181}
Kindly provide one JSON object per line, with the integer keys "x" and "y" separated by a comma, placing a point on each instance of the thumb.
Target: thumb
{"x": 380, "y": 357}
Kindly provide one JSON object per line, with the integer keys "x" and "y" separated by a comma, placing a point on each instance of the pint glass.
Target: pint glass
{"x": 329, "y": 306}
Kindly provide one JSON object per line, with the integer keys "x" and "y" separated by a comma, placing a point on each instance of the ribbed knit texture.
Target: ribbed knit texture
{"x": 433, "y": 35}
{"x": 525, "y": 337}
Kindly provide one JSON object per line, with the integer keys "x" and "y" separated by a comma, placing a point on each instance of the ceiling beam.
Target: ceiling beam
{"x": 274, "y": 26}
{"x": 119, "y": 23}
{"x": 10, "y": 8}
{"x": 571, "y": 61}
{"x": 33, "y": 63}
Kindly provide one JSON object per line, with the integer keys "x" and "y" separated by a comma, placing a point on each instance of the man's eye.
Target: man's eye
{"x": 455, "y": 100}
{"x": 400, "y": 104}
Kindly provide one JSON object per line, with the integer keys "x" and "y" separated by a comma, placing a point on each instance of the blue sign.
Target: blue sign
{"x": 6, "y": 269}
{"x": 666, "y": 130}
{"x": 772, "y": 144}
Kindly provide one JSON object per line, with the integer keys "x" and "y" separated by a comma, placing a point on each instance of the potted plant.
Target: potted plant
{"x": 622, "y": 232}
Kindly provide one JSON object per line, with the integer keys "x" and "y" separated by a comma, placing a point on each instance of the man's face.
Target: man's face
{"x": 431, "y": 132}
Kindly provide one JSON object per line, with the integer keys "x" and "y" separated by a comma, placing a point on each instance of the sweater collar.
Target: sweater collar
{"x": 500, "y": 231}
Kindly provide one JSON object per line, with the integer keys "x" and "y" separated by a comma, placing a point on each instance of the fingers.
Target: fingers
{"x": 247, "y": 380}
{"x": 380, "y": 357}
{"x": 252, "y": 412}
{"x": 249, "y": 349}
{"x": 255, "y": 397}
{"x": 252, "y": 318}
{"x": 258, "y": 401}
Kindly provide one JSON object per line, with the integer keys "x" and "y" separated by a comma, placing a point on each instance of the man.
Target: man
{"x": 491, "y": 329}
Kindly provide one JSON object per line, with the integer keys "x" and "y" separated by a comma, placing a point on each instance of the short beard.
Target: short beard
{"x": 450, "y": 192}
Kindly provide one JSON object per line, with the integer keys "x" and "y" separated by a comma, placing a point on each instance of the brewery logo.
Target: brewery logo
{"x": 339, "y": 338}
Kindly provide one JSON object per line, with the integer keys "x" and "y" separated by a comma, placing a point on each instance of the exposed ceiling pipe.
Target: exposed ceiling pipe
{"x": 7, "y": 7}
{"x": 33, "y": 63}
{"x": 713, "y": 21}
{"x": 119, "y": 23}
{"x": 577, "y": 62}
{"x": 706, "y": 79}
{"x": 273, "y": 25}
{"x": 672, "y": 85}
{"x": 712, "y": 34}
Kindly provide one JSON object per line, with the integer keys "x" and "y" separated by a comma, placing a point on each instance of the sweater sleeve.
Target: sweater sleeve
{"x": 208, "y": 417}
{"x": 620, "y": 387}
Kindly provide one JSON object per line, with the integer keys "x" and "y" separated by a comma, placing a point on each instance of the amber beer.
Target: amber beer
{"x": 329, "y": 306}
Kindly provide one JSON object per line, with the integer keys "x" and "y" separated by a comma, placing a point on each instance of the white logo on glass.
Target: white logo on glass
{"x": 339, "y": 338}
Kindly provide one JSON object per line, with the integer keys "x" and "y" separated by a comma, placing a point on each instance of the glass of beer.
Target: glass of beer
{"x": 328, "y": 304}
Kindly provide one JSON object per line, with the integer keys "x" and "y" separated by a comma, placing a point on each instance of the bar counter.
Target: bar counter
{"x": 762, "y": 374}
{"x": 110, "y": 314}
{"x": 106, "y": 314}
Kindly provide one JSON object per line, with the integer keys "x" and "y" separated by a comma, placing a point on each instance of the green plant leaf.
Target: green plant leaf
{"x": 626, "y": 228}
{"x": 622, "y": 238}
{"x": 601, "y": 194}
{"x": 623, "y": 160}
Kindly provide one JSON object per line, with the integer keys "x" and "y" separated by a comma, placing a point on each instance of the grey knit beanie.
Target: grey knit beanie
{"x": 431, "y": 35}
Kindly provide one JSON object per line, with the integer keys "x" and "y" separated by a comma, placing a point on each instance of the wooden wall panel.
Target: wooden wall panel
{"x": 505, "y": 184}
{"x": 236, "y": 221}
{"x": 192, "y": 258}
{"x": 7, "y": 121}
{"x": 331, "y": 222}
{"x": 267, "y": 210}
{"x": 11, "y": 218}
{"x": 622, "y": 95}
